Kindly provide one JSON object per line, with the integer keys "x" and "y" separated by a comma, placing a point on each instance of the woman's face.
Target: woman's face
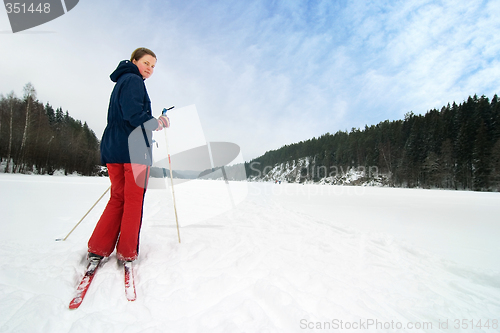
{"x": 146, "y": 65}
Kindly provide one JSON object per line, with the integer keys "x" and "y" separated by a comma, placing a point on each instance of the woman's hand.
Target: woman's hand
{"x": 163, "y": 122}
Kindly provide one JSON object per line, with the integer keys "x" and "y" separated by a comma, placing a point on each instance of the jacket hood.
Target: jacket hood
{"x": 124, "y": 67}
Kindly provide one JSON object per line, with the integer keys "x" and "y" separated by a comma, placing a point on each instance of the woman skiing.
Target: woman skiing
{"x": 129, "y": 111}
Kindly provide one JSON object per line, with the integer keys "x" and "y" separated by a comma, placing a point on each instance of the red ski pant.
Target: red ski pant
{"x": 120, "y": 223}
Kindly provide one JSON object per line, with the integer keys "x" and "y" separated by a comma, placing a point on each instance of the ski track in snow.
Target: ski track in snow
{"x": 268, "y": 265}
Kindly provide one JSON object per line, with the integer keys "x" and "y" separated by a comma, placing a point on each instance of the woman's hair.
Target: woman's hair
{"x": 141, "y": 52}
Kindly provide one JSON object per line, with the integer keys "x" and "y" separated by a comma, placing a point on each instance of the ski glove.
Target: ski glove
{"x": 163, "y": 122}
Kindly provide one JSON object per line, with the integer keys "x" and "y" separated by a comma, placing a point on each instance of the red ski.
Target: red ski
{"x": 129, "y": 281}
{"x": 84, "y": 285}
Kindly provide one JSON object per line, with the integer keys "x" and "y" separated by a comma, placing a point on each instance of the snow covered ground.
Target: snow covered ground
{"x": 284, "y": 258}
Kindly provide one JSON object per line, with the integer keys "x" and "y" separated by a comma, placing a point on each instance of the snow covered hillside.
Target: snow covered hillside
{"x": 255, "y": 257}
{"x": 305, "y": 171}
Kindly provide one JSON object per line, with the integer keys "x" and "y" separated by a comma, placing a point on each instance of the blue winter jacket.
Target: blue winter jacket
{"x": 129, "y": 112}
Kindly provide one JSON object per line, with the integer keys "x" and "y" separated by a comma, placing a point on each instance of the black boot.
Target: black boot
{"x": 94, "y": 258}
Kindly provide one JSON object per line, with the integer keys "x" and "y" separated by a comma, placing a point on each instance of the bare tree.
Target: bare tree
{"x": 29, "y": 98}
{"x": 10, "y": 101}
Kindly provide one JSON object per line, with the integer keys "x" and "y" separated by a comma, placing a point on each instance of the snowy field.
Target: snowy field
{"x": 255, "y": 257}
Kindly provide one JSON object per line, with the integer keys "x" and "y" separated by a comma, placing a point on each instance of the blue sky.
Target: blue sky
{"x": 264, "y": 73}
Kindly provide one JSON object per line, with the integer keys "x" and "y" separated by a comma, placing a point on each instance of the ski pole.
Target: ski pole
{"x": 164, "y": 113}
{"x": 63, "y": 239}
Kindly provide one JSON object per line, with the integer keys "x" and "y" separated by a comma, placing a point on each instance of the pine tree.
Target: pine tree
{"x": 50, "y": 113}
{"x": 495, "y": 166}
{"x": 481, "y": 159}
